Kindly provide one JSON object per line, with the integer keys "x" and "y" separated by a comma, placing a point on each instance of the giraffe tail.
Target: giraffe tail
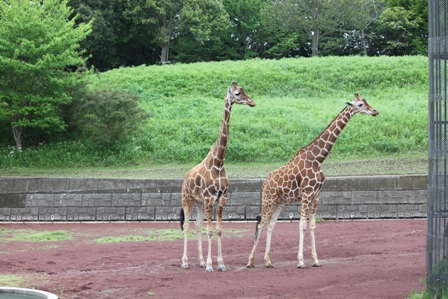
{"x": 182, "y": 219}
{"x": 256, "y": 226}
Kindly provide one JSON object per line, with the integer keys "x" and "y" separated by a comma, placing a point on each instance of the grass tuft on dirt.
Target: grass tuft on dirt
{"x": 162, "y": 235}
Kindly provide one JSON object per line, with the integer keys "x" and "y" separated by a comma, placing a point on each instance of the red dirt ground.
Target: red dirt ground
{"x": 360, "y": 259}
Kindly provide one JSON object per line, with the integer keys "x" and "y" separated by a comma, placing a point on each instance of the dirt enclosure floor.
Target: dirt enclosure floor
{"x": 360, "y": 259}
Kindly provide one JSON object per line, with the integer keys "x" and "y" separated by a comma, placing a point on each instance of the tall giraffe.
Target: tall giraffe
{"x": 301, "y": 179}
{"x": 207, "y": 182}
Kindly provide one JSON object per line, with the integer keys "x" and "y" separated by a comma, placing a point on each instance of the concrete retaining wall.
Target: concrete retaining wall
{"x": 75, "y": 199}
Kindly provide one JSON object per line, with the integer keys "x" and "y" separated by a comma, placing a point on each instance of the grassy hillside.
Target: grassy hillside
{"x": 296, "y": 99}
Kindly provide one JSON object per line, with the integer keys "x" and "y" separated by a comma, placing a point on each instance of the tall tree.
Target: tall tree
{"x": 118, "y": 38}
{"x": 398, "y": 24}
{"x": 242, "y": 36}
{"x": 38, "y": 41}
{"x": 202, "y": 18}
{"x": 404, "y": 25}
{"x": 240, "y": 40}
{"x": 251, "y": 35}
{"x": 315, "y": 18}
{"x": 101, "y": 43}
{"x": 364, "y": 14}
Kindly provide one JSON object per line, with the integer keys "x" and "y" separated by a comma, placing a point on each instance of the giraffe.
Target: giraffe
{"x": 301, "y": 179}
{"x": 207, "y": 182}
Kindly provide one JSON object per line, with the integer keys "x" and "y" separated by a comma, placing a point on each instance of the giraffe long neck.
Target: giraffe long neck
{"x": 322, "y": 145}
{"x": 218, "y": 151}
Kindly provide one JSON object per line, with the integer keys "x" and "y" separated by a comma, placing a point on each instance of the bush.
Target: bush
{"x": 109, "y": 117}
{"x": 437, "y": 284}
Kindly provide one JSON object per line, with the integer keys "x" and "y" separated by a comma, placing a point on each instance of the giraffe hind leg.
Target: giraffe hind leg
{"x": 182, "y": 219}
{"x": 258, "y": 218}
{"x": 186, "y": 212}
{"x": 267, "y": 254}
{"x": 258, "y": 230}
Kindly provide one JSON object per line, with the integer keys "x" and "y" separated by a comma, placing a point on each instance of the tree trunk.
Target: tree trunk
{"x": 363, "y": 34}
{"x": 165, "y": 32}
{"x": 164, "y": 54}
{"x": 17, "y": 132}
{"x": 315, "y": 43}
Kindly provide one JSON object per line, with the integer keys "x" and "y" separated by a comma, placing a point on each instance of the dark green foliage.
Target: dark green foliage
{"x": 108, "y": 117}
{"x": 105, "y": 128}
{"x": 5, "y": 131}
{"x": 101, "y": 44}
{"x": 38, "y": 43}
{"x": 72, "y": 154}
{"x": 406, "y": 24}
{"x": 437, "y": 284}
{"x": 133, "y": 32}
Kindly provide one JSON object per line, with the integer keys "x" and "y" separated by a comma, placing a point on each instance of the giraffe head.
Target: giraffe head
{"x": 361, "y": 106}
{"x": 236, "y": 95}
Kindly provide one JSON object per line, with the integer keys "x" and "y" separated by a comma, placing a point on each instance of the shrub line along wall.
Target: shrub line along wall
{"x": 77, "y": 199}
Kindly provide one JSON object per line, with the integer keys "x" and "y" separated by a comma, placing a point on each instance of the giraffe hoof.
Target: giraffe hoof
{"x": 301, "y": 266}
{"x": 317, "y": 265}
{"x": 250, "y": 266}
{"x": 184, "y": 266}
{"x": 202, "y": 266}
{"x": 222, "y": 269}
{"x": 208, "y": 270}
{"x": 269, "y": 266}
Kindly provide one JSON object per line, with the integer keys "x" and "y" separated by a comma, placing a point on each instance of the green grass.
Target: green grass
{"x": 45, "y": 236}
{"x": 22, "y": 281}
{"x": 161, "y": 235}
{"x": 11, "y": 280}
{"x": 398, "y": 164}
{"x": 8, "y": 235}
{"x": 426, "y": 295}
{"x": 296, "y": 99}
{"x": 143, "y": 235}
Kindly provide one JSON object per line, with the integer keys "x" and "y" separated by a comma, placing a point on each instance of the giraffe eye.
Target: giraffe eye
{"x": 237, "y": 93}
{"x": 360, "y": 105}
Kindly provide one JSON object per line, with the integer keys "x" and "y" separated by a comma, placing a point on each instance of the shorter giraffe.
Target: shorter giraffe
{"x": 207, "y": 182}
{"x": 301, "y": 179}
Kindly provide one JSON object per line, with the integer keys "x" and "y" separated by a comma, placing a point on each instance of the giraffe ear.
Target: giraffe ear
{"x": 348, "y": 104}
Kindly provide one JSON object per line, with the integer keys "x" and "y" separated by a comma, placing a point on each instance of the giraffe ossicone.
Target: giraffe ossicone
{"x": 207, "y": 183}
{"x": 301, "y": 180}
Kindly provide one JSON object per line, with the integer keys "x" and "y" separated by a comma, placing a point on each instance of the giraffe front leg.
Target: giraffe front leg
{"x": 316, "y": 262}
{"x": 302, "y": 228}
{"x": 208, "y": 212}
{"x": 199, "y": 220}
{"x": 221, "y": 206}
